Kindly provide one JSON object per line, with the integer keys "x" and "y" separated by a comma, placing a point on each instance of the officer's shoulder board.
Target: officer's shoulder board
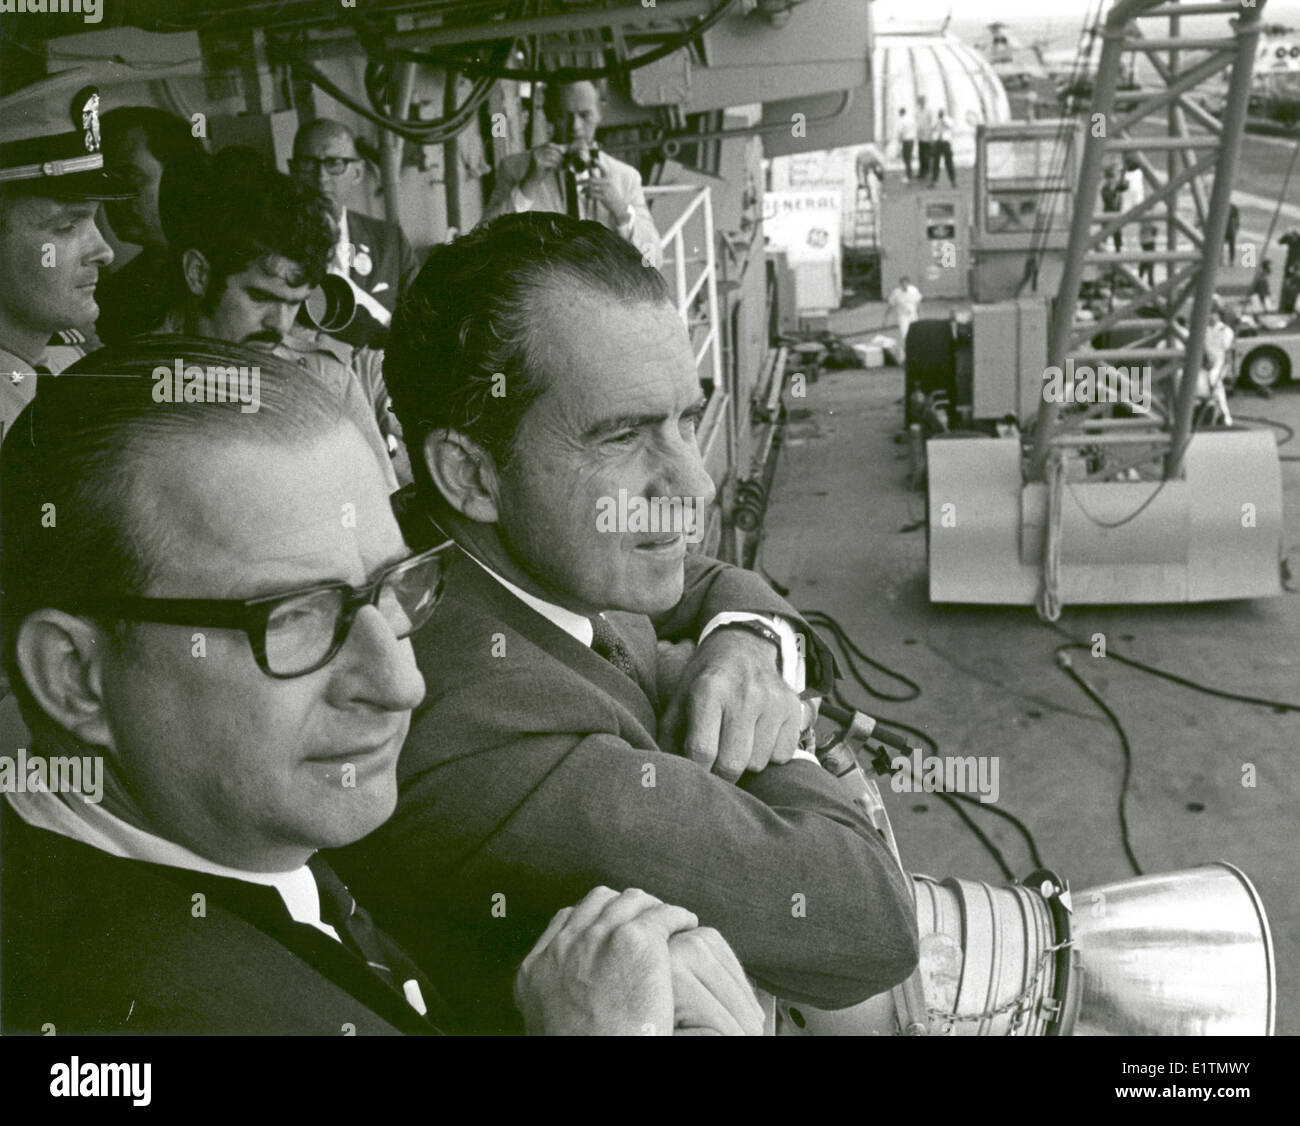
{"x": 73, "y": 337}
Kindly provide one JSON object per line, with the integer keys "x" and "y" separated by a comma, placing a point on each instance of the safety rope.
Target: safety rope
{"x": 1048, "y": 603}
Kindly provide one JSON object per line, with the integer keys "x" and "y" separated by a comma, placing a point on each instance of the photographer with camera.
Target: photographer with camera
{"x": 570, "y": 174}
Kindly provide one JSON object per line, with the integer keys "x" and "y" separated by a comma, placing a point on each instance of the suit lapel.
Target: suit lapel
{"x": 263, "y": 907}
{"x": 470, "y": 581}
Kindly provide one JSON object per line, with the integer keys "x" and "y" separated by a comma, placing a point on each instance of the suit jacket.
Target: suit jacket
{"x": 392, "y": 266}
{"x": 135, "y": 299}
{"x": 510, "y": 174}
{"x": 532, "y": 773}
{"x": 94, "y": 943}
{"x": 18, "y": 376}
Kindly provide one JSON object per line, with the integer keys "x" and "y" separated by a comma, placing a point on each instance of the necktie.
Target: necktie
{"x": 355, "y": 927}
{"x": 608, "y": 643}
{"x": 572, "y": 199}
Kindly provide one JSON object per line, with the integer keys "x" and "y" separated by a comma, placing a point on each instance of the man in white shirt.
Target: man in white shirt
{"x": 924, "y": 138}
{"x": 1218, "y": 342}
{"x": 216, "y": 633}
{"x": 905, "y": 304}
{"x": 941, "y": 149}
{"x": 570, "y": 174}
{"x": 905, "y": 133}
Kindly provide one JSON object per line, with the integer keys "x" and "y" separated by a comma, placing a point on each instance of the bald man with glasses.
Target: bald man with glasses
{"x": 372, "y": 255}
{"x": 208, "y": 610}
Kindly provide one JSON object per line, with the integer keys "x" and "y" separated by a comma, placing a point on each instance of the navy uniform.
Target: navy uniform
{"x": 18, "y": 376}
{"x": 39, "y": 155}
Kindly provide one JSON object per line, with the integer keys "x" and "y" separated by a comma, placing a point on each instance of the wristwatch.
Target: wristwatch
{"x": 758, "y": 629}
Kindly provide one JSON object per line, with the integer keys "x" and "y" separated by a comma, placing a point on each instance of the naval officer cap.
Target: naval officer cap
{"x": 50, "y": 141}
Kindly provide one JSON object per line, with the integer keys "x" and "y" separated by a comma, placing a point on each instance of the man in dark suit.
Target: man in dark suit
{"x": 210, "y": 644}
{"x": 539, "y": 372}
{"x": 143, "y": 144}
{"x": 372, "y": 255}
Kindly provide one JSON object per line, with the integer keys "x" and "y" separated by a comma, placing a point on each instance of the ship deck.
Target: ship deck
{"x": 845, "y": 533}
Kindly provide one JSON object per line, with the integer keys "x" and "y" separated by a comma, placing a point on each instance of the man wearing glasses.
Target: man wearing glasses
{"x": 373, "y": 256}
{"x": 215, "y": 607}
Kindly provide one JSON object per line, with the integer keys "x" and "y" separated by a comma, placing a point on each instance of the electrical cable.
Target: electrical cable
{"x": 472, "y": 66}
{"x": 1064, "y": 661}
{"x": 1174, "y": 678}
{"x": 1185, "y": 682}
{"x": 1287, "y": 430}
{"x": 954, "y": 801}
{"x": 1043, "y": 218}
{"x": 430, "y": 132}
{"x": 819, "y": 618}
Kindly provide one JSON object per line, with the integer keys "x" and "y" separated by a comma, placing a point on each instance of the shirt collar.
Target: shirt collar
{"x": 577, "y": 626}
{"x": 11, "y": 361}
{"x": 93, "y": 825}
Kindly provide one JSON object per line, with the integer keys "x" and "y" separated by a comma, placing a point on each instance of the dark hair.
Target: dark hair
{"x": 70, "y": 522}
{"x": 468, "y": 317}
{"x": 235, "y": 208}
{"x": 167, "y": 136}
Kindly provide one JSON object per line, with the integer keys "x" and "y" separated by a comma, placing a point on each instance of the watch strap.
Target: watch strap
{"x": 758, "y": 629}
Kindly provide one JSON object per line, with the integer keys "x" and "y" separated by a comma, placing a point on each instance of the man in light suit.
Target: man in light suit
{"x": 372, "y": 255}
{"x": 217, "y": 674}
{"x": 540, "y": 372}
{"x": 571, "y": 175}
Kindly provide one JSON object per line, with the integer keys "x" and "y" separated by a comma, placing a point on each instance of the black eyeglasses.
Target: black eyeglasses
{"x": 334, "y": 165}
{"x": 298, "y": 632}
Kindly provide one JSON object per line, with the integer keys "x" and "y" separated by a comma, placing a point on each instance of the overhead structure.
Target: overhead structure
{"x": 949, "y": 74}
{"x": 1128, "y": 505}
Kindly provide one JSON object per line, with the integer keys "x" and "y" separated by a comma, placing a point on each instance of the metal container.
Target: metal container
{"x": 1179, "y": 954}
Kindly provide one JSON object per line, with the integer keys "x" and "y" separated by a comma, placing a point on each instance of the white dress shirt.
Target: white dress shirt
{"x": 93, "y": 825}
{"x": 341, "y": 263}
{"x": 587, "y": 207}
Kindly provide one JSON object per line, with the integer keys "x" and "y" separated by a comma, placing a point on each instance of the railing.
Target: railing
{"x": 690, "y": 267}
{"x": 694, "y": 223}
